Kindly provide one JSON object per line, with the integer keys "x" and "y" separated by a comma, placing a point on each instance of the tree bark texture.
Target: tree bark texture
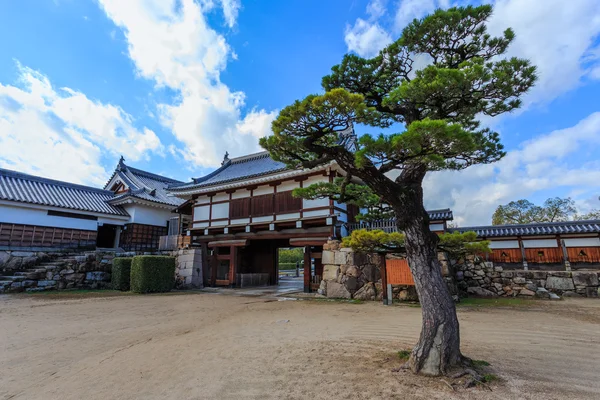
{"x": 438, "y": 349}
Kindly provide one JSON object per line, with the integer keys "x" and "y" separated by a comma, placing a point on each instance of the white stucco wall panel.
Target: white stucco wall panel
{"x": 40, "y": 217}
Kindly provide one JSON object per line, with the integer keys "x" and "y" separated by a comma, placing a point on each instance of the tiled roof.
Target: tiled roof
{"x": 441, "y": 215}
{"x": 16, "y": 186}
{"x": 548, "y": 228}
{"x": 236, "y": 169}
{"x": 145, "y": 185}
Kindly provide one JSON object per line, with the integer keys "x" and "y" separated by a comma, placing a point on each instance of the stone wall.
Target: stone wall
{"x": 476, "y": 277}
{"x": 188, "y": 268}
{"x": 36, "y": 271}
{"x": 351, "y": 275}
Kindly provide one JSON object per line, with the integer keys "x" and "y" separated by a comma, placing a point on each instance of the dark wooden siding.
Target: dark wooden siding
{"x": 138, "y": 237}
{"x": 18, "y": 235}
{"x": 286, "y": 203}
{"x": 239, "y": 208}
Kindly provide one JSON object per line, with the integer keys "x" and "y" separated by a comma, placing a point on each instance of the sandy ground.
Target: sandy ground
{"x": 211, "y": 346}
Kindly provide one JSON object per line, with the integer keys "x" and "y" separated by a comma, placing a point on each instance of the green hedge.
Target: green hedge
{"x": 152, "y": 274}
{"x": 120, "y": 273}
{"x": 291, "y": 255}
{"x": 287, "y": 266}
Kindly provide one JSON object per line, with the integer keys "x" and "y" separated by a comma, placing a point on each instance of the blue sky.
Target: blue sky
{"x": 172, "y": 85}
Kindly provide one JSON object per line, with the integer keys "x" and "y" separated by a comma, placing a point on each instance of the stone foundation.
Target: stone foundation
{"x": 476, "y": 277}
{"x": 36, "y": 271}
{"x": 351, "y": 275}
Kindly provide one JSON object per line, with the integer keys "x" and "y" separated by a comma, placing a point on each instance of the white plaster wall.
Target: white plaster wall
{"x": 582, "y": 242}
{"x": 202, "y": 200}
{"x": 538, "y": 243}
{"x": 146, "y": 215}
{"x": 315, "y": 213}
{"x": 40, "y": 217}
{"x": 220, "y": 211}
{"x": 238, "y": 194}
{"x": 240, "y": 221}
{"x": 220, "y": 197}
{"x": 200, "y": 224}
{"x": 218, "y": 223}
{"x": 201, "y": 213}
{"x": 316, "y": 203}
{"x": 436, "y": 227}
{"x": 504, "y": 244}
{"x": 267, "y": 218}
{"x": 266, "y": 189}
{"x": 281, "y": 217}
{"x": 288, "y": 185}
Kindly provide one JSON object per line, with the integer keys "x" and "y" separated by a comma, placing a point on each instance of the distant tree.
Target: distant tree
{"x": 439, "y": 106}
{"x": 594, "y": 214}
{"x": 555, "y": 209}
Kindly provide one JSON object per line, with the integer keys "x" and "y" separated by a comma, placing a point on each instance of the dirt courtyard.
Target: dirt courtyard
{"x": 212, "y": 346}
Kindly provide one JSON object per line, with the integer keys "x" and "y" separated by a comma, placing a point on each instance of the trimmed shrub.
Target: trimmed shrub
{"x": 121, "y": 271}
{"x": 288, "y": 266}
{"x": 152, "y": 274}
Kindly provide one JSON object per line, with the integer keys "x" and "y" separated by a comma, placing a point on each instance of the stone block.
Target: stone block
{"x": 351, "y": 284}
{"x": 585, "y": 278}
{"x": 591, "y": 292}
{"x": 507, "y": 274}
{"x": 539, "y": 274}
{"x": 330, "y": 272}
{"x": 560, "y": 274}
{"x": 340, "y": 257}
{"x": 46, "y": 283}
{"x": 460, "y": 275}
{"x": 328, "y": 257}
{"x": 498, "y": 269}
{"x": 337, "y": 291}
{"x": 367, "y": 292}
{"x": 97, "y": 276}
{"x": 570, "y": 294}
{"x": 560, "y": 283}
{"x": 526, "y": 292}
{"x": 353, "y": 271}
{"x": 479, "y": 291}
{"x": 519, "y": 280}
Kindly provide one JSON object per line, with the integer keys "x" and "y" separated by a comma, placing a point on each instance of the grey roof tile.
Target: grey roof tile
{"x": 19, "y": 187}
{"x": 548, "y": 228}
{"x": 145, "y": 185}
{"x": 250, "y": 166}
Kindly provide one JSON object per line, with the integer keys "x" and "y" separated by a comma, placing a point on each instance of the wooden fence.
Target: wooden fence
{"x": 17, "y": 235}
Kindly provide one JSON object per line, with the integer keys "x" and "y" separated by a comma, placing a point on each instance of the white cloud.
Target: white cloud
{"x": 176, "y": 48}
{"x": 540, "y": 164}
{"x": 557, "y": 36}
{"x": 377, "y": 8}
{"x": 560, "y": 38}
{"x": 366, "y": 38}
{"x": 411, "y": 9}
{"x": 62, "y": 134}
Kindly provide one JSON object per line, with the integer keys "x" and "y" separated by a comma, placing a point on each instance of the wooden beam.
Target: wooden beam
{"x": 229, "y": 243}
{"x": 308, "y": 241}
{"x": 383, "y": 272}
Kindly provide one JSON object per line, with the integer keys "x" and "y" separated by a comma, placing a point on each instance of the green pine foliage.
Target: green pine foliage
{"x": 151, "y": 274}
{"x": 120, "y": 273}
{"x": 456, "y": 244}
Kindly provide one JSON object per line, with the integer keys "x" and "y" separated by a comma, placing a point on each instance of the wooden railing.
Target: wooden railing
{"x": 174, "y": 242}
{"x": 386, "y": 225}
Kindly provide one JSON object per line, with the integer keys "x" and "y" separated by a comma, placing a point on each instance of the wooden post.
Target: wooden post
{"x": 523, "y": 259}
{"x": 567, "y": 263}
{"x": 307, "y": 269}
{"x": 383, "y": 272}
{"x": 233, "y": 265}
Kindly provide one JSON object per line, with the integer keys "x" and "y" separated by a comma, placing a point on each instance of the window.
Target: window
{"x": 71, "y": 215}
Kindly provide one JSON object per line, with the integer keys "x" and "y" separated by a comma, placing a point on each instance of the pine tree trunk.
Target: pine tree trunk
{"x": 438, "y": 349}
